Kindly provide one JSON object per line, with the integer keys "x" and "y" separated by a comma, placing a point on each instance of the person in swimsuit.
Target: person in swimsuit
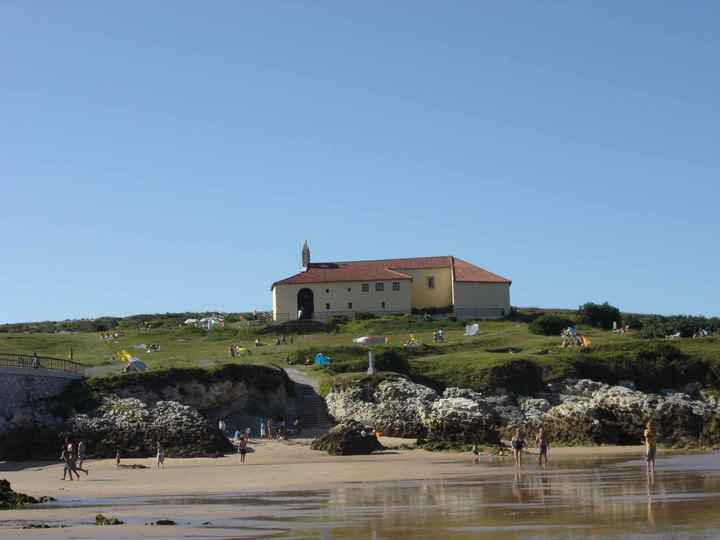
{"x": 650, "y": 450}
{"x": 543, "y": 446}
{"x": 242, "y": 446}
{"x": 518, "y": 444}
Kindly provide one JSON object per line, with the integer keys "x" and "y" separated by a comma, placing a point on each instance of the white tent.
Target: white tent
{"x": 472, "y": 329}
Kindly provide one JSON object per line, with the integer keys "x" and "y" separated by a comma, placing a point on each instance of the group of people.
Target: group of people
{"x": 438, "y": 335}
{"x": 73, "y": 457}
{"x": 542, "y": 445}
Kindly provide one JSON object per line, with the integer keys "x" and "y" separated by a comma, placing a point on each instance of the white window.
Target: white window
{"x": 365, "y": 287}
{"x": 379, "y": 286}
{"x": 396, "y": 285}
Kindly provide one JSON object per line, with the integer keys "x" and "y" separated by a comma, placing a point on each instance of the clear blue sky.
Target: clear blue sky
{"x": 168, "y": 156}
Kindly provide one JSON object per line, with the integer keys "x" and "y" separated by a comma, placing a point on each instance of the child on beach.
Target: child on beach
{"x": 518, "y": 444}
{"x": 476, "y": 453}
{"x": 650, "y": 449}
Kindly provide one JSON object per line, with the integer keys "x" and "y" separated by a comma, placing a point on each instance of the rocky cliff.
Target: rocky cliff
{"x": 177, "y": 407}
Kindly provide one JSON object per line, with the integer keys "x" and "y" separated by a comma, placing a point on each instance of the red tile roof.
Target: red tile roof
{"x": 389, "y": 269}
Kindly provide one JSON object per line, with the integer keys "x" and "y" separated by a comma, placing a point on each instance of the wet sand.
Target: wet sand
{"x": 289, "y": 491}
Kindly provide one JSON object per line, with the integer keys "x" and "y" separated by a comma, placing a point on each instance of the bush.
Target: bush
{"x": 600, "y": 315}
{"x": 652, "y": 329}
{"x": 364, "y": 316}
{"x": 522, "y": 377}
{"x": 549, "y": 325}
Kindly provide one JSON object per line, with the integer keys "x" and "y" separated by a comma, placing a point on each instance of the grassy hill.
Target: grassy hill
{"x": 478, "y": 362}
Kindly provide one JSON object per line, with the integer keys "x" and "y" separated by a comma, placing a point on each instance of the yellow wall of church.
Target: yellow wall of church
{"x": 425, "y": 297}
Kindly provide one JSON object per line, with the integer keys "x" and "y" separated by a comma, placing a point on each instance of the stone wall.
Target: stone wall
{"x": 20, "y": 387}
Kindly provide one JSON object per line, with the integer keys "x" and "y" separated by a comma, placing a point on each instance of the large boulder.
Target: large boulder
{"x": 462, "y": 420}
{"x": 348, "y": 439}
{"x": 397, "y": 407}
{"x": 134, "y": 428}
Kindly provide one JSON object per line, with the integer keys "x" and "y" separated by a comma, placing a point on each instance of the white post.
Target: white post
{"x": 371, "y": 363}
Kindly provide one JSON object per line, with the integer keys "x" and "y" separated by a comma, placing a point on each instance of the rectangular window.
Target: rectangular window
{"x": 431, "y": 282}
{"x": 349, "y": 305}
{"x": 365, "y": 287}
{"x": 379, "y": 286}
{"x": 396, "y": 285}
{"x": 383, "y": 305}
{"x": 327, "y": 306}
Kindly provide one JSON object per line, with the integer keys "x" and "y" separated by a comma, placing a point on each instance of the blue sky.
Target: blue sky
{"x": 172, "y": 156}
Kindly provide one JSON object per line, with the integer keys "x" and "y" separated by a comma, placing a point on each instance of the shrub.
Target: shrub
{"x": 549, "y": 325}
{"x": 653, "y": 329}
{"x": 364, "y": 316}
{"x": 522, "y": 377}
{"x": 600, "y": 315}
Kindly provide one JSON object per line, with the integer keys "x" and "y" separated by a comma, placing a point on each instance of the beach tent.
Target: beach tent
{"x": 135, "y": 365}
{"x": 472, "y": 329}
{"x": 321, "y": 360}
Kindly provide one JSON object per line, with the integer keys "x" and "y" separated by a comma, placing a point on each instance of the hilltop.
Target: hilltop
{"x": 504, "y": 353}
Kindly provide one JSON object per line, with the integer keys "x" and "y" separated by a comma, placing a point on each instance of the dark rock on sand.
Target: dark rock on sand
{"x": 347, "y": 439}
{"x": 13, "y": 499}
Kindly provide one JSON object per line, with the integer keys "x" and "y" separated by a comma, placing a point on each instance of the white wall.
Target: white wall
{"x": 482, "y": 300}
{"x": 337, "y": 295}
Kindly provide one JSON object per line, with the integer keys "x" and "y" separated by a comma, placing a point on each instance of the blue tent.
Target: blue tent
{"x": 321, "y": 360}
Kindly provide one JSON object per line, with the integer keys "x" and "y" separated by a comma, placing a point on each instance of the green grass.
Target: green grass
{"x": 459, "y": 361}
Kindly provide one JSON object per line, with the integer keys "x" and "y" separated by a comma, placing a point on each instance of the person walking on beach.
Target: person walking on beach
{"x": 543, "y": 446}
{"x": 117, "y": 456}
{"x": 650, "y": 449}
{"x": 80, "y": 454}
{"x": 160, "y": 456}
{"x": 270, "y": 427}
{"x": 518, "y": 444}
{"x": 262, "y": 428}
{"x": 242, "y": 447}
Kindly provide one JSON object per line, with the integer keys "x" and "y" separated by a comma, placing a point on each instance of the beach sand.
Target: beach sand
{"x": 272, "y": 466}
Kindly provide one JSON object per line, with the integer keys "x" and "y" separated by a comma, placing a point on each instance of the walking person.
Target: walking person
{"x": 35, "y": 361}
{"x": 650, "y": 449}
{"x": 242, "y": 446}
{"x": 65, "y": 458}
{"x": 262, "y": 428}
{"x": 80, "y": 454}
{"x": 543, "y": 446}
{"x": 518, "y": 444}
{"x": 270, "y": 427}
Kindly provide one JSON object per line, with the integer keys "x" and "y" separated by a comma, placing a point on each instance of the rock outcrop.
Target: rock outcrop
{"x": 573, "y": 412}
{"x": 396, "y": 407}
{"x": 348, "y": 439}
{"x": 133, "y": 427}
{"x": 13, "y": 499}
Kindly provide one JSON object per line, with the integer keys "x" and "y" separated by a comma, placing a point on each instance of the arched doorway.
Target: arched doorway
{"x": 306, "y": 304}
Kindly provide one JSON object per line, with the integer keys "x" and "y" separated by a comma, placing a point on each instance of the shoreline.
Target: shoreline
{"x": 273, "y": 466}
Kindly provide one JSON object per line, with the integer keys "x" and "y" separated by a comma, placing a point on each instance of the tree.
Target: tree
{"x": 600, "y": 315}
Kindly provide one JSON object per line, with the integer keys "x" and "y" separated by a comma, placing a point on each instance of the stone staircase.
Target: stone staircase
{"x": 313, "y": 413}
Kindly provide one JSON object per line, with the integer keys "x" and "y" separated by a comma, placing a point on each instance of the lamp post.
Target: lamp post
{"x": 371, "y": 363}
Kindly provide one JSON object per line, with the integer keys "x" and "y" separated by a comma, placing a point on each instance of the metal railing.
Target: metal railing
{"x": 28, "y": 361}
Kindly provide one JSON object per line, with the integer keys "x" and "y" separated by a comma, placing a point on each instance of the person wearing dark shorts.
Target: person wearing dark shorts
{"x": 542, "y": 446}
{"x": 518, "y": 444}
{"x": 242, "y": 446}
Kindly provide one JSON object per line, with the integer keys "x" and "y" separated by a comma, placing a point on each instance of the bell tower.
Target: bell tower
{"x": 305, "y": 257}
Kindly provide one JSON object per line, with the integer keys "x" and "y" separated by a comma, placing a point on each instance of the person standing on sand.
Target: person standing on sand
{"x": 66, "y": 458}
{"x": 650, "y": 449}
{"x": 160, "y": 456}
{"x": 518, "y": 444}
{"x": 262, "y": 428}
{"x": 242, "y": 446}
{"x": 80, "y": 454}
{"x": 543, "y": 446}
{"x": 269, "y": 427}
{"x": 117, "y": 456}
